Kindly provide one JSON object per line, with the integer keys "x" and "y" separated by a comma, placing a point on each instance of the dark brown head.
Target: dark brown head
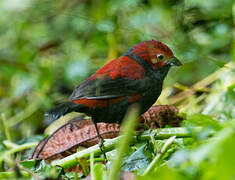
{"x": 156, "y": 54}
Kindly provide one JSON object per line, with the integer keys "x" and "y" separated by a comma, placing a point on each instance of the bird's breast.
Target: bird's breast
{"x": 150, "y": 96}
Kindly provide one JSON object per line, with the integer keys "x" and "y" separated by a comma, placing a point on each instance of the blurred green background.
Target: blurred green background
{"x": 48, "y": 47}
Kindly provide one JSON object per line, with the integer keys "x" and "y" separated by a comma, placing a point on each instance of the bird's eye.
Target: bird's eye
{"x": 160, "y": 57}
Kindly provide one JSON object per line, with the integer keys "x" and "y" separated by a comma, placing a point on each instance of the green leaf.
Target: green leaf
{"x": 137, "y": 160}
{"x": 29, "y": 164}
{"x": 99, "y": 172}
{"x": 48, "y": 171}
{"x": 202, "y": 120}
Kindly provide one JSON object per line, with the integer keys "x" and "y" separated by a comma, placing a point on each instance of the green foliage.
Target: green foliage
{"x": 138, "y": 159}
{"x": 48, "y": 47}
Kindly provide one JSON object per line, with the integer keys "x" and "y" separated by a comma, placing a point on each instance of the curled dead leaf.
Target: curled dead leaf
{"x": 65, "y": 140}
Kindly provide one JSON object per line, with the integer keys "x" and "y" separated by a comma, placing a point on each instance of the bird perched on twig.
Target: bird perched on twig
{"x": 135, "y": 77}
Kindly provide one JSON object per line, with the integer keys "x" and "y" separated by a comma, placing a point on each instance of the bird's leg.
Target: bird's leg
{"x": 101, "y": 141}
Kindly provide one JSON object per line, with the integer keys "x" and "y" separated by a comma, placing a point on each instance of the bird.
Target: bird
{"x": 136, "y": 77}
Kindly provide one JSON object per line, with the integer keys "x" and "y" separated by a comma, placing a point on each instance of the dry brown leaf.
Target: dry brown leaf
{"x": 65, "y": 140}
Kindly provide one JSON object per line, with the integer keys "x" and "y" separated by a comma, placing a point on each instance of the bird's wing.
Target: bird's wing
{"x": 120, "y": 77}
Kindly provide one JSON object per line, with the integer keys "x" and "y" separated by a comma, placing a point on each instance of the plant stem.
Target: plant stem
{"x": 98, "y": 159}
{"x": 7, "y": 175}
{"x": 10, "y": 144}
{"x": 156, "y": 160}
{"x": 109, "y": 144}
{"x": 92, "y": 166}
{"x": 17, "y": 149}
{"x": 5, "y": 126}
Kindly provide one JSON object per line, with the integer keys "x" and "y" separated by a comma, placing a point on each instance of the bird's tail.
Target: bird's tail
{"x": 58, "y": 111}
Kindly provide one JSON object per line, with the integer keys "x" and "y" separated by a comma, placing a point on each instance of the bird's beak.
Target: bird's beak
{"x": 174, "y": 62}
